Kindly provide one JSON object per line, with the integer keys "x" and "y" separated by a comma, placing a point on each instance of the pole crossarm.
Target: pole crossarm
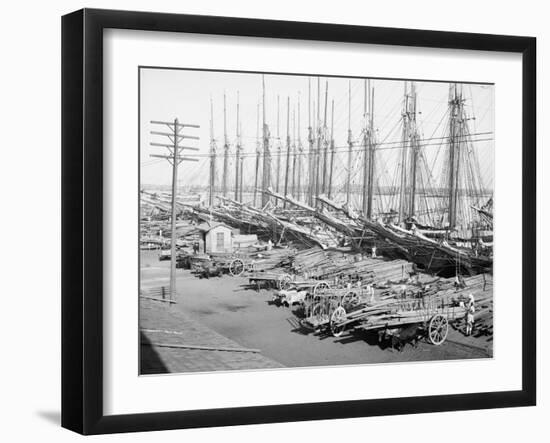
{"x": 179, "y": 125}
{"x": 181, "y": 136}
{"x": 180, "y": 158}
{"x": 180, "y": 148}
{"x": 190, "y": 148}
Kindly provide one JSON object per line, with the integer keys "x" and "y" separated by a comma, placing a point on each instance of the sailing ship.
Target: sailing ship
{"x": 441, "y": 221}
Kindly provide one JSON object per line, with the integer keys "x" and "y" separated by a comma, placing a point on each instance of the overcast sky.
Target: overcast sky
{"x": 166, "y": 94}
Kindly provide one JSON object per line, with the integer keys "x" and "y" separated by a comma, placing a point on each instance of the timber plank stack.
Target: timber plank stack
{"x": 328, "y": 264}
{"x": 267, "y": 260}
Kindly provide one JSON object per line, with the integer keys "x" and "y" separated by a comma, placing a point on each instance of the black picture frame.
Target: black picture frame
{"x": 82, "y": 220}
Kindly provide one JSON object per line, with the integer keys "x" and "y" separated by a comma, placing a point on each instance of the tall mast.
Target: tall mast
{"x": 300, "y": 149}
{"x": 350, "y": 148}
{"x": 266, "y": 181}
{"x": 293, "y": 185}
{"x": 318, "y": 150}
{"x": 212, "y": 178}
{"x": 277, "y": 182}
{"x": 456, "y": 108}
{"x": 331, "y": 167}
{"x": 405, "y": 141}
{"x": 287, "y": 146}
{"x": 364, "y": 200}
{"x": 372, "y": 147}
{"x": 414, "y": 148}
{"x": 225, "y": 150}
{"x": 238, "y": 155}
{"x": 325, "y": 145}
{"x": 241, "y": 170}
{"x": 311, "y": 141}
{"x": 258, "y": 154}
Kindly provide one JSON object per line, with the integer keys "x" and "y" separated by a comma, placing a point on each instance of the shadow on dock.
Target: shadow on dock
{"x": 150, "y": 361}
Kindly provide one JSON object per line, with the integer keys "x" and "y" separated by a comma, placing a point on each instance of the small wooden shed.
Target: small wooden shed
{"x": 218, "y": 238}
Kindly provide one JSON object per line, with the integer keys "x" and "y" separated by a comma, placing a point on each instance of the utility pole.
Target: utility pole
{"x": 238, "y": 155}
{"x": 350, "y": 148}
{"x": 266, "y": 182}
{"x": 212, "y": 181}
{"x": 174, "y": 158}
{"x": 225, "y": 151}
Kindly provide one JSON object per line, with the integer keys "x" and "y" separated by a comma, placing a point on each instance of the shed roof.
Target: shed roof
{"x": 206, "y": 227}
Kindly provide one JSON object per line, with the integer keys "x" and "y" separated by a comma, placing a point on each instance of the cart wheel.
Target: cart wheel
{"x": 438, "y": 329}
{"x": 337, "y": 317}
{"x": 283, "y": 282}
{"x": 350, "y": 299}
{"x": 236, "y": 267}
{"x": 320, "y": 287}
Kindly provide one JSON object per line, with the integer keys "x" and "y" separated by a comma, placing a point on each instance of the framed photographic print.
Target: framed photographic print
{"x": 270, "y": 221}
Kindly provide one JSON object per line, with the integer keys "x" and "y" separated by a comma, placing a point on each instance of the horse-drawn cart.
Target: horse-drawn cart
{"x": 292, "y": 291}
{"x": 323, "y": 301}
{"x": 339, "y": 310}
{"x": 431, "y": 315}
{"x": 241, "y": 265}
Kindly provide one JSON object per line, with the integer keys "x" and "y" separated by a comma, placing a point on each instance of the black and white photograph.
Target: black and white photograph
{"x": 267, "y": 222}
{"x": 304, "y": 220}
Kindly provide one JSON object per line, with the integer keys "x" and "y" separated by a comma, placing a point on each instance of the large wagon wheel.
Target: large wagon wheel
{"x": 236, "y": 267}
{"x": 438, "y": 329}
{"x": 338, "y": 316}
{"x": 283, "y": 282}
{"x": 320, "y": 287}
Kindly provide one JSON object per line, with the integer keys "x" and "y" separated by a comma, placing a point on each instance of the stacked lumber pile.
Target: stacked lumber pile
{"x": 328, "y": 264}
{"x": 274, "y": 258}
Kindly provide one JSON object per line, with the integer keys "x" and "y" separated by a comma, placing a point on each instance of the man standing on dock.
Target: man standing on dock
{"x": 470, "y": 310}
